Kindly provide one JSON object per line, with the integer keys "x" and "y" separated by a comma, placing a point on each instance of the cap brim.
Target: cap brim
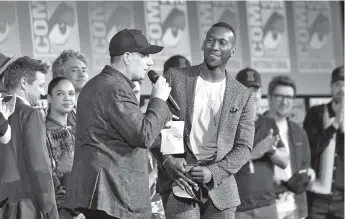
{"x": 152, "y": 49}
{"x": 12, "y": 59}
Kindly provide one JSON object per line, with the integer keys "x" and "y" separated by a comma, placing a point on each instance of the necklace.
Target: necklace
{"x": 213, "y": 99}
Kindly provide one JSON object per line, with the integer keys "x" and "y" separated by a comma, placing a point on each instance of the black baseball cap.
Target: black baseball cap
{"x": 249, "y": 78}
{"x": 131, "y": 40}
{"x": 338, "y": 74}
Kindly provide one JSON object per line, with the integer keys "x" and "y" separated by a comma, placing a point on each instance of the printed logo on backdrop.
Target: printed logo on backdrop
{"x": 314, "y": 36}
{"x": 54, "y": 28}
{"x": 212, "y": 12}
{"x": 268, "y": 36}
{"x": 9, "y": 34}
{"x": 167, "y": 25}
{"x": 106, "y": 19}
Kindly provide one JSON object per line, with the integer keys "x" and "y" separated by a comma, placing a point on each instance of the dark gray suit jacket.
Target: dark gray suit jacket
{"x": 26, "y": 182}
{"x": 110, "y": 169}
{"x": 235, "y": 133}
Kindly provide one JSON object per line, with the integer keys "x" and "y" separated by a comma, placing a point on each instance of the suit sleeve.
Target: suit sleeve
{"x": 243, "y": 144}
{"x": 38, "y": 164}
{"x": 138, "y": 129}
{"x": 318, "y": 136}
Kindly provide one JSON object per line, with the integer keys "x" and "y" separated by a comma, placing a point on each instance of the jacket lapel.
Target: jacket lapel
{"x": 292, "y": 147}
{"x": 231, "y": 92}
{"x": 191, "y": 80}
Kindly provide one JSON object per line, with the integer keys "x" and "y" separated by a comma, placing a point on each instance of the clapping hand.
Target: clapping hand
{"x": 7, "y": 108}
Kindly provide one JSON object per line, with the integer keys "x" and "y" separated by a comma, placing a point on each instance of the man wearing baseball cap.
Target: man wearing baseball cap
{"x": 324, "y": 125}
{"x": 109, "y": 178}
{"x": 255, "y": 179}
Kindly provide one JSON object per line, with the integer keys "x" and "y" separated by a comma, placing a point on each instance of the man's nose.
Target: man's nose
{"x": 82, "y": 73}
{"x": 215, "y": 45}
{"x": 42, "y": 92}
{"x": 150, "y": 61}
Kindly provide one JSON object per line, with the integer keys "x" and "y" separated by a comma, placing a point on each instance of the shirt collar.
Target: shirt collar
{"x": 110, "y": 70}
{"x": 23, "y": 99}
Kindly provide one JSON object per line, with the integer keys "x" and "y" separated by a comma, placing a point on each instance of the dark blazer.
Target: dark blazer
{"x": 300, "y": 159}
{"x": 26, "y": 184}
{"x": 235, "y": 133}
{"x": 110, "y": 169}
{"x": 319, "y": 138}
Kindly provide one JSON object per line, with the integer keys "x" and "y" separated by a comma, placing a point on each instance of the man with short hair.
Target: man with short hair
{"x": 72, "y": 65}
{"x": 26, "y": 183}
{"x": 109, "y": 178}
{"x": 255, "y": 178}
{"x": 293, "y": 180}
{"x": 218, "y": 114}
{"x": 324, "y": 125}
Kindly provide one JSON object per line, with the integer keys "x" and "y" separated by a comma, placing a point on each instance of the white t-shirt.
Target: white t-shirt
{"x": 286, "y": 201}
{"x": 208, "y": 104}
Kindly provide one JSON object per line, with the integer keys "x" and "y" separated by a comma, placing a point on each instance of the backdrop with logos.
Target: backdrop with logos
{"x": 302, "y": 38}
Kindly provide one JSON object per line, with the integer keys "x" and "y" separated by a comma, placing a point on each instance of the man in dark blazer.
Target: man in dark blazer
{"x": 291, "y": 203}
{"x": 324, "y": 125}
{"x": 109, "y": 178}
{"x": 26, "y": 183}
{"x": 218, "y": 112}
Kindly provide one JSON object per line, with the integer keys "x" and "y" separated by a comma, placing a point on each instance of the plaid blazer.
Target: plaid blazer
{"x": 235, "y": 133}
{"x": 110, "y": 167}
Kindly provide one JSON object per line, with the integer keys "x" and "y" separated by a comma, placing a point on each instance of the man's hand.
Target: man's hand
{"x": 7, "y": 108}
{"x": 175, "y": 168}
{"x": 310, "y": 172}
{"x": 200, "y": 174}
{"x": 80, "y": 216}
{"x": 161, "y": 89}
{"x": 261, "y": 148}
{"x": 168, "y": 124}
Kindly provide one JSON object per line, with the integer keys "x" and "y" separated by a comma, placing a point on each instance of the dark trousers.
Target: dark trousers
{"x": 326, "y": 206}
{"x": 265, "y": 212}
{"x": 95, "y": 214}
{"x": 179, "y": 208}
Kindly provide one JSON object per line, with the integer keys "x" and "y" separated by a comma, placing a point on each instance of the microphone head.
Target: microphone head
{"x": 153, "y": 76}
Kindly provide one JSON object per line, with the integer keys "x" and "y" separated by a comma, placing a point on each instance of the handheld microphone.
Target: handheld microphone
{"x": 153, "y": 76}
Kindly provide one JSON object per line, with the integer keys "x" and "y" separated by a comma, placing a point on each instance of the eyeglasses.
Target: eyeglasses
{"x": 281, "y": 97}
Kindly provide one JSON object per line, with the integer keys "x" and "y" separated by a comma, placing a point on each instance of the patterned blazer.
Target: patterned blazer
{"x": 235, "y": 133}
{"x": 110, "y": 167}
